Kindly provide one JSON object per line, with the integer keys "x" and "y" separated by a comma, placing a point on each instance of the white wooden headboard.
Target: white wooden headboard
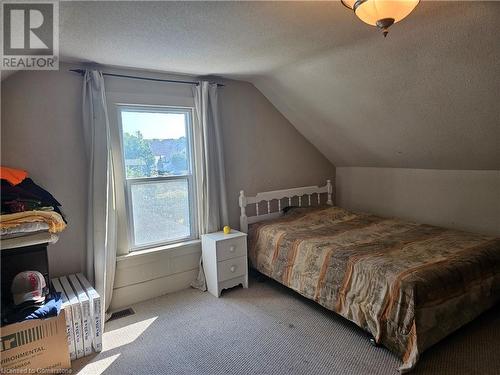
{"x": 268, "y": 196}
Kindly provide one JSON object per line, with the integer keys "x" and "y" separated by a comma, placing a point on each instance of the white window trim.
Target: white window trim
{"x": 127, "y": 183}
{"x": 178, "y": 248}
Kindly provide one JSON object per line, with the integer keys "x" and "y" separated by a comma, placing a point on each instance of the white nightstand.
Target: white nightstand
{"x": 224, "y": 260}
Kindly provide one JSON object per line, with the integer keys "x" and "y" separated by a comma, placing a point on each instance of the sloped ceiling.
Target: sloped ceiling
{"x": 428, "y": 96}
{"x": 425, "y": 97}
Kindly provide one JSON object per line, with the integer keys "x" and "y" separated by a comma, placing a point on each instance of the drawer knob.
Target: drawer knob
{"x": 232, "y": 248}
{"x": 233, "y": 268}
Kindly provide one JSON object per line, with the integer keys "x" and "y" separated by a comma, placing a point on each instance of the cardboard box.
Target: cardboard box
{"x": 35, "y": 345}
{"x": 69, "y": 319}
{"x": 95, "y": 312}
{"x": 76, "y": 313}
{"x": 86, "y": 318}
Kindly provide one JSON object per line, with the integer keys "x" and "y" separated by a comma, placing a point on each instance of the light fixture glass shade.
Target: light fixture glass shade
{"x": 373, "y": 11}
{"x": 348, "y": 3}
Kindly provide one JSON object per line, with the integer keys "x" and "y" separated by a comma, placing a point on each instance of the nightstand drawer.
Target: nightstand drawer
{"x": 224, "y": 260}
{"x": 231, "y": 268}
{"x": 231, "y": 248}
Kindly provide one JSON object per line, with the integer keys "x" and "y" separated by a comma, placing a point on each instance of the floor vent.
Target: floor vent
{"x": 121, "y": 314}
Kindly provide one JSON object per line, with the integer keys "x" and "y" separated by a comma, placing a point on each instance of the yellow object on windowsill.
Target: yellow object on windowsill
{"x": 227, "y": 229}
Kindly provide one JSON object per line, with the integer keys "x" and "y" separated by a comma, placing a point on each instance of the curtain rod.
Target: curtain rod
{"x": 82, "y": 72}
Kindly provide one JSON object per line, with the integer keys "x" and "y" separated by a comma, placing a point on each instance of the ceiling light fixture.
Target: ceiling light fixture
{"x": 381, "y": 13}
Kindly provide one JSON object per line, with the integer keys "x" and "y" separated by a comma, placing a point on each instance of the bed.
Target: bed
{"x": 408, "y": 284}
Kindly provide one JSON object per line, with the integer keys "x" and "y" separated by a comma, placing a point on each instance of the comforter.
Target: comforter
{"x": 407, "y": 284}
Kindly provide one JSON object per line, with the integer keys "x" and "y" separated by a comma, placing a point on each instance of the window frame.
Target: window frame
{"x": 129, "y": 182}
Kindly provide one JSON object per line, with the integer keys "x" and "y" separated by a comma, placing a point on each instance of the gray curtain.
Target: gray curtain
{"x": 209, "y": 165}
{"x": 101, "y": 209}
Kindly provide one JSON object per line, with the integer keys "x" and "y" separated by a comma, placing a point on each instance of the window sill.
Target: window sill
{"x": 188, "y": 246}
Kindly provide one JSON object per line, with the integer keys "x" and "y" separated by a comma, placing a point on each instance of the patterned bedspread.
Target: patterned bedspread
{"x": 408, "y": 284}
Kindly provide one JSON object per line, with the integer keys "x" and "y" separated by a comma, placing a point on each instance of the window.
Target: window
{"x": 157, "y": 162}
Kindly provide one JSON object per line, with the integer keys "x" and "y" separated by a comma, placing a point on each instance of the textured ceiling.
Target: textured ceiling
{"x": 211, "y": 37}
{"x": 425, "y": 97}
{"x": 428, "y": 96}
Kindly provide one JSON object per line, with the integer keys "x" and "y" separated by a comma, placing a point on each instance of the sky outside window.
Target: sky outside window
{"x": 154, "y": 143}
{"x": 154, "y": 125}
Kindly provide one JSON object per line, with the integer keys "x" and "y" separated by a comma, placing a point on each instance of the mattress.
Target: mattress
{"x": 408, "y": 284}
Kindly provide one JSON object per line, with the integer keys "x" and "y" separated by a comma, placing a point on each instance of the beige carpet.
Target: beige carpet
{"x": 267, "y": 329}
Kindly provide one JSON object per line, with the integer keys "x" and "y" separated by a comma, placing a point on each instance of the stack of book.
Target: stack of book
{"x": 82, "y": 306}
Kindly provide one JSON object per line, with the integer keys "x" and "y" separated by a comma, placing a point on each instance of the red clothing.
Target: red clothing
{"x": 14, "y": 176}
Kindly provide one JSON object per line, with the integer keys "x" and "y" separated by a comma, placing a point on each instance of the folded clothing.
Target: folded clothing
{"x": 29, "y": 310}
{"x": 53, "y": 219}
{"x": 28, "y": 239}
{"x": 14, "y": 176}
{"x": 48, "y": 309}
{"x": 25, "y": 196}
{"x": 23, "y": 229}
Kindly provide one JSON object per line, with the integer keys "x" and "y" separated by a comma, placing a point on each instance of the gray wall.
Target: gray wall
{"x": 41, "y": 132}
{"x": 424, "y": 97}
{"x": 262, "y": 150}
{"x": 466, "y": 200}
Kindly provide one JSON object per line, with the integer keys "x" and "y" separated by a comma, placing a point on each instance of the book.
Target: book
{"x": 86, "y": 318}
{"x": 66, "y": 307}
{"x": 95, "y": 312}
{"x": 76, "y": 313}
